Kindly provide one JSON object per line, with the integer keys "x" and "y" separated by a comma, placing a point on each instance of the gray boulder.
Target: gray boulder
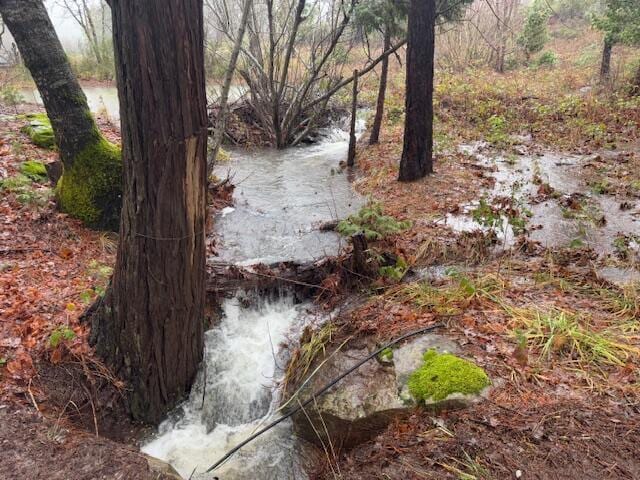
{"x": 364, "y": 403}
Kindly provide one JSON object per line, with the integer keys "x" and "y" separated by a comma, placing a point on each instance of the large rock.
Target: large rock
{"x": 366, "y": 401}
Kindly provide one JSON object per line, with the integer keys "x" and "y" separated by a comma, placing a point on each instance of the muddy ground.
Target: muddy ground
{"x": 59, "y": 405}
{"x": 530, "y": 258}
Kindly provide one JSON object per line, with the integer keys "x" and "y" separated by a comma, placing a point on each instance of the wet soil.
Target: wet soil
{"x": 51, "y": 268}
{"x": 549, "y": 416}
{"x": 551, "y": 441}
{"x": 36, "y": 446}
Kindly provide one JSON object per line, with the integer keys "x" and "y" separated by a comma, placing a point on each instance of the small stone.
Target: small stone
{"x": 518, "y": 473}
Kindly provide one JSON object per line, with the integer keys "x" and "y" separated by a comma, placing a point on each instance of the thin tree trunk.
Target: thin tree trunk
{"x": 149, "y": 326}
{"x": 382, "y": 91}
{"x": 351, "y": 157}
{"x": 635, "y": 82}
{"x": 605, "y": 65}
{"x": 417, "y": 152}
{"x": 91, "y": 185}
{"x": 91, "y": 33}
{"x": 221, "y": 120}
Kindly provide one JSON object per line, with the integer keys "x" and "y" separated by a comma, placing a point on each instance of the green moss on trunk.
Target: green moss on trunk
{"x": 39, "y": 130}
{"x": 91, "y": 190}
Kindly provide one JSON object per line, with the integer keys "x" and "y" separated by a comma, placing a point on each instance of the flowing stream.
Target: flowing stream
{"x": 279, "y": 199}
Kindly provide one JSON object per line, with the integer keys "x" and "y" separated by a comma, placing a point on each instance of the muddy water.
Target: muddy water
{"x": 104, "y": 99}
{"x": 552, "y": 223}
{"x": 280, "y": 198}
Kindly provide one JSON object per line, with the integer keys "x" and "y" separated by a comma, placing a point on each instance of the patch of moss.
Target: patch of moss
{"x": 39, "y": 130}
{"x": 91, "y": 190}
{"x": 443, "y": 374}
{"x": 15, "y": 184}
{"x": 36, "y": 171}
{"x": 386, "y": 355}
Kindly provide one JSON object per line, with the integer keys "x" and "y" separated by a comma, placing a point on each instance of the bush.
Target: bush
{"x": 372, "y": 223}
{"x": 547, "y": 59}
{"x": 61, "y": 334}
{"x": 534, "y": 35}
{"x": 11, "y": 96}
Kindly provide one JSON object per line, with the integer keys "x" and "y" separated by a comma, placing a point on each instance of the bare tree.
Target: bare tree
{"x": 485, "y": 35}
{"x": 221, "y": 120}
{"x": 295, "y": 51}
{"x": 83, "y": 12}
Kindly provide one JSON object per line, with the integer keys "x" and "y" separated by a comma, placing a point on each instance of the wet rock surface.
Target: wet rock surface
{"x": 366, "y": 401}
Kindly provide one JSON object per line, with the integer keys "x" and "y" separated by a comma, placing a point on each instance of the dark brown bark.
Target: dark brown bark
{"x": 93, "y": 198}
{"x": 150, "y": 325}
{"x": 635, "y": 82}
{"x": 382, "y": 91}
{"x": 351, "y": 156}
{"x": 417, "y": 152}
{"x": 605, "y": 64}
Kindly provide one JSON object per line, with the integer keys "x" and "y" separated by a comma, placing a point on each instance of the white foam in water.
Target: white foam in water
{"x": 241, "y": 369}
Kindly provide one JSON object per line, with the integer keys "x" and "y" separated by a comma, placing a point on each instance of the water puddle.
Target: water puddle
{"x": 557, "y": 207}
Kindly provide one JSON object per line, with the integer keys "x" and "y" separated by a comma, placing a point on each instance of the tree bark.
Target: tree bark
{"x": 382, "y": 91}
{"x": 150, "y": 325}
{"x": 635, "y": 82}
{"x": 605, "y": 65}
{"x": 91, "y": 185}
{"x": 351, "y": 156}
{"x": 417, "y": 152}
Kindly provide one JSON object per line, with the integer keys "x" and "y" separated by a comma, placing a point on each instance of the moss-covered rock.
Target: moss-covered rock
{"x": 36, "y": 171}
{"x": 39, "y": 130}
{"x": 444, "y": 374}
{"x": 91, "y": 190}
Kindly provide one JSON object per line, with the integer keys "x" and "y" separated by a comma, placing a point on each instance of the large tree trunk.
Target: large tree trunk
{"x": 382, "y": 91}
{"x": 417, "y": 152}
{"x": 605, "y": 64}
{"x": 151, "y": 322}
{"x": 91, "y": 185}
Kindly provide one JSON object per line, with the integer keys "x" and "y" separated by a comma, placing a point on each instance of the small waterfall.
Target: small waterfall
{"x": 243, "y": 362}
{"x": 280, "y": 198}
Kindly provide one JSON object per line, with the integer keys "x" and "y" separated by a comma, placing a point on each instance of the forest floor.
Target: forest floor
{"x": 55, "y": 396}
{"x": 525, "y": 243}
{"x": 553, "y": 318}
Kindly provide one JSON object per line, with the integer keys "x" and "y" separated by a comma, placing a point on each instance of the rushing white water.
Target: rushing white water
{"x": 242, "y": 368}
{"x": 280, "y": 197}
